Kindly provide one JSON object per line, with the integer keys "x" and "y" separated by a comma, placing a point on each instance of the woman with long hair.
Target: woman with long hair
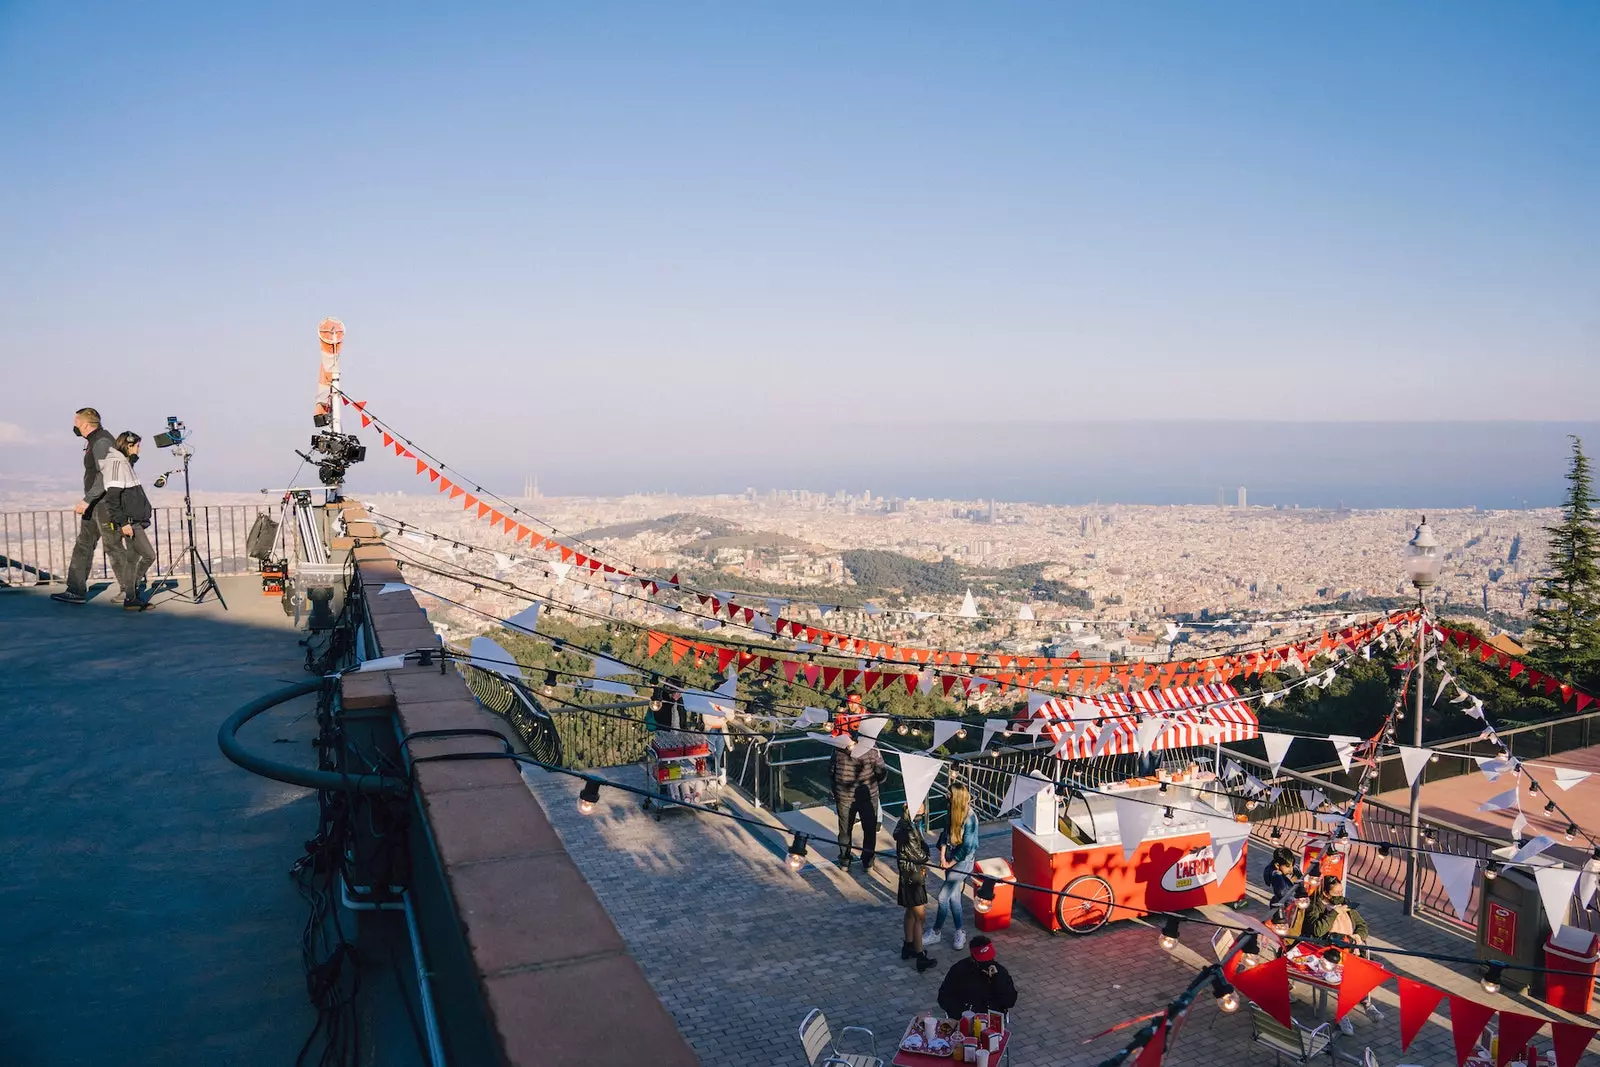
{"x": 911, "y": 856}
{"x": 130, "y": 514}
{"x": 958, "y": 853}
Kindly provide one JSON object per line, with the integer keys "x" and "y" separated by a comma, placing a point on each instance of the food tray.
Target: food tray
{"x": 949, "y": 1029}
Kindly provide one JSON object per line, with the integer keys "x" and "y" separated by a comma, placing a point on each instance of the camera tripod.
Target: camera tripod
{"x": 198, "y": 590}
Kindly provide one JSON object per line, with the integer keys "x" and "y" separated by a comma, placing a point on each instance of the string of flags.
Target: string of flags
{"x": 1295, "y": 656}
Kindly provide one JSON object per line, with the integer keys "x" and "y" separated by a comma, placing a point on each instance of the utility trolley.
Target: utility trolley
{"x": 684, "y": 766}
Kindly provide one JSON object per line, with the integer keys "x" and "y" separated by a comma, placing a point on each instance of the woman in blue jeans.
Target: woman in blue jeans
{"x": 958, "y": 852}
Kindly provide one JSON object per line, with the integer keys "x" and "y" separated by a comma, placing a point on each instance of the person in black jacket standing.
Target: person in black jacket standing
{"x": 855, "y": 787}
{"x": 130, "y": 514}
{"x": 95, "y": 524}
{"x": 977, "y": 983}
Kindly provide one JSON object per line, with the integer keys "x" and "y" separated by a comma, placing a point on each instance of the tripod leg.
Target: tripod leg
{"x": 209, "y": 586}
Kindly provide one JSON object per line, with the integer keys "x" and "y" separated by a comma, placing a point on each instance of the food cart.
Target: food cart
{"x": 683, "y": 766}
{"x": 1192, "y": 850}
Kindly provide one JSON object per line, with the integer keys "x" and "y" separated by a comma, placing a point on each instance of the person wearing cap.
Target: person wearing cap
{"x": 856, "y": 778}
{"x": 1332, "y": 916}
{"x": 977, "y": 983}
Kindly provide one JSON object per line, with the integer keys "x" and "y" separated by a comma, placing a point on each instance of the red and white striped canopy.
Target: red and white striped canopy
{"x": 1183, "y": 717}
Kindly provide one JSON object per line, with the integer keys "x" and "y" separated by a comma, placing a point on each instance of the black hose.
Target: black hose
{"x": 228, "y": 741}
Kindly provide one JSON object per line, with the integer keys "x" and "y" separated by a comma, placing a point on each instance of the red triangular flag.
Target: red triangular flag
{"x": 1570, "y": 1040}
{"x": 523, "y": 531}
{"x": 1566, "y": 692}
{"x": 851, "y": 677}
{"x": 455, "y": 491}
{"x": 1467, "y": 1020}
{"x": 1155, "y": 1049}
{"x": 470, "y": 502}
{"x": 366, "y": 420}
{"x": 387, "y": 440}
{"x": 1417, "y": 1001}
{"x": 947, "y": 680}
{"x": 910, "y": 681}
{"x": 495, "y": 518}
{"x": 678, "y": 647}
{"x": 1268, "y": 985}
{"x": 566, "y": 553}
{"x": 1584, "y": 700}
{"x": 870, "y": 680}
{"x": 789, "y": 669}
{"x": 1516, "y": 668}
{"x": 724, "y": 657}
{"x": 811, "y": 672}
{"x": 1360, "y": 978}
{"x": 829, "y": 676}
{"x": 654, "y": 639}
{"x": 484, "y": 509}
{"x": 433, "y": 475}
{"x": 1515, "y": 1030}
{"x": 421, "y": 466}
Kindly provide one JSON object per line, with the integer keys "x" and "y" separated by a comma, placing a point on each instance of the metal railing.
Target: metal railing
{"x": 36, "y": 546}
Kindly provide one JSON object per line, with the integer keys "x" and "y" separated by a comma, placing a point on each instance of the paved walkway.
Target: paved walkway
{"x": 739, "y": 948}
{"x": 146, "y": 915}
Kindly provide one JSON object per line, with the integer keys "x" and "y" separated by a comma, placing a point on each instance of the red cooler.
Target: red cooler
{"x": 1571, "y": 949}
{"x": 998, "y": 917}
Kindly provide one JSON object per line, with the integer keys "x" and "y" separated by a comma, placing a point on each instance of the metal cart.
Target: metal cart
{"x": 684, "y": 766}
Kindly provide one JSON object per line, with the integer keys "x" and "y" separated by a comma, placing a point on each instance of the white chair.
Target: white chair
{"x": 817, "y": 1040}
{"x": 1298, "y": 1043}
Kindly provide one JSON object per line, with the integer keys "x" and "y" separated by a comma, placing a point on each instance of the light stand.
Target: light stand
{"x": 1422, "y": 567}
{"x": 198, "y": 591}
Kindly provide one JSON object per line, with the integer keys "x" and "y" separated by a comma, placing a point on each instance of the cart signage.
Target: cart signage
{"x": 1194, "y": 868}
{"x": 1502, "y": 932}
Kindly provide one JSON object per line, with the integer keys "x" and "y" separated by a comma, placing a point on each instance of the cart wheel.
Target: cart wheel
{"x": 1085, "y": 905}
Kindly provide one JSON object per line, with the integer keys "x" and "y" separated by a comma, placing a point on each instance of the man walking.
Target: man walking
{"x": 855, "y": 786}
{"x": 95, "y": 525}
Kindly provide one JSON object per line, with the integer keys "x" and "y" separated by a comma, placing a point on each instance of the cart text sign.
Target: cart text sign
{"x": 1502, "y": 933}
{"x": 1193, "y": 869}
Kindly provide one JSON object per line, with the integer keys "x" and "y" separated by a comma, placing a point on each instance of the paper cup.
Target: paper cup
{"x": 930, "y": 1027}
{"x": 981, "y": 1057}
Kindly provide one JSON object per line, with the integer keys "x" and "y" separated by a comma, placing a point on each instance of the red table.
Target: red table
{"x": 922, "y": 1059}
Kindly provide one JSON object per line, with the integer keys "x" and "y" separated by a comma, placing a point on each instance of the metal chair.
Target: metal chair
{"x": 817, "y": 1041}
{"x": 1298, "y": 1043}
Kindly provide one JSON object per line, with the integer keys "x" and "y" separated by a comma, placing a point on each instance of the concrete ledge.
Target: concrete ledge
{"x": 551, "y": 971}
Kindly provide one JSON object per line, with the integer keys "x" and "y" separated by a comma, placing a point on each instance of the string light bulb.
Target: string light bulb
{"x": 1430, "y": 835}
{"x": 1491, "y": 978}
{"x": 797, "y": 852}
{"x": 983, "y": 899}
{"x": 961, "y": 733}
{"x": 902, "y": 729}
{"x": 1550, "y": 807}
{"x": 1227, "y": 998}
{"x": 1277, "y": 833}
{"x": 1249, "y": 950}
{"x": 1533, "y": 788}
{"x": 1491, "y": 869}
{"x": 549, "y": 683}
{"x": 1167, "y": 817}
{"x": 1383, "y": 849}
{"x": 589, "y": 797}
{"x": 1572, "y": 830}
{"x": 1169, "y": 932}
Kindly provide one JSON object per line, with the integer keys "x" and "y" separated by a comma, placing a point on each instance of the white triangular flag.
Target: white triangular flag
{"x": 924, "y": 682}
{"x": 1456, "y": 873}
{"x": 1036, "y": 700}
{"x": 871, "y": 609}
{"x": 1133, "y": 822}
{"x": 1344, "y": 746}
{"x": 810, "y": 717}
{"x": 1566, "y": 777}
{"x": 526, "y": 620}
{"x": 1413, "y": 760}
{"x": 560, "y": 570}
{"x": 1476, "y": 711}
{"x": 943, "y": 730}
{"x": 1108, "y": 737}
{"x": 1277, "y": 748}
{"x": 387, "y": 663}
{"x": 871, "y": 726}
{"x": 1556, "y": 885}
{"x": 1253, "y": 785}
{"x": 1492, "y": 768}
{"x": 1443, "y": 682}
{"x": 990, "y": 728}
{"x": 610, "y": 668}
{"x": 918, "y": 773}
{"x": 1501, "y": 801}
{"x": 1023, "y": 788}
{"x": 1311, "y": 798}
{"x": 1531, "y": 849}
{"x": 1149, "y": 732}
{"x": 969, "y": 607}
{"x": 1230, "y": 770}
{"x": 1518, "y": 825}
{"x": 598, "y": 685}
{"x": 393, "y": 587}
{"x": 1273, "y": 794}
{"x": 1036, "y": 725}
{"x": 1025, "y": 614}
{"x": 488, "y": 656}
{"x": 503, "y": 561}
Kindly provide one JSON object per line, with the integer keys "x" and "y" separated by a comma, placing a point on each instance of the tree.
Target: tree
{"x": 1567, "y": 620}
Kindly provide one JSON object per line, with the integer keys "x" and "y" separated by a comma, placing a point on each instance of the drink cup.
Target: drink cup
{"x": 966, "y": 1022}
{"x": 981, "y": 1057}
{"x": 994, "y": 1042}
{"x": 930, "y": 1027}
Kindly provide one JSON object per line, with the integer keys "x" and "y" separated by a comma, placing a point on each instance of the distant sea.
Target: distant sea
{"x": 1487, "y": 465}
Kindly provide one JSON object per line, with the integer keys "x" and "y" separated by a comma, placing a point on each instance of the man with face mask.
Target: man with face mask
{"x": 96, "y": 518}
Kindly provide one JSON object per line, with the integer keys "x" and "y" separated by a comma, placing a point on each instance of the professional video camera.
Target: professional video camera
{"x": 176, "y": 431}
{"x": 339, "y": 451}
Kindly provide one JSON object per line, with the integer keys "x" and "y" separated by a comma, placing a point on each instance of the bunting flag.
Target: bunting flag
{"x": 1467, "y": 1020}
{"x": 1556, "y": 885}
{"x": 1344, "y": 747}
{"x": 1515, "y": 669}
{"x": 1267, "y": 984}
{"x": 1414, "y": 759}
{"x": 1566, "y": 777}
{"x": 1417, "y": 1001}
{"x": 1155, "y": 1050}
{"x": 943, "y": 730}
{"x": 918, "y": 774}
{"x": 1023, "y": 788}
{"x": 1277, "y": 748}
{"x": 990, "y": 728}
{"x": 484, "y": 654}
{"x": 1501, "y": 801}
{"x": 1456, "y": 873}
{"x": 1361, "y": 977}
{"x": 1571, "y": 1040}
{"x": 1133, "y": 822}
{"x": 1515, "y": 1032}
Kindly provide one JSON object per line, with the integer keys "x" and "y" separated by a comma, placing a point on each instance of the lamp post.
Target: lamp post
{"x": 1422, "y": 567}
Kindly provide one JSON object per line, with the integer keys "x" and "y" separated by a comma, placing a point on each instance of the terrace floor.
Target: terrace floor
{"x": 146, "y": 915}
{"x": 739, "y": 948}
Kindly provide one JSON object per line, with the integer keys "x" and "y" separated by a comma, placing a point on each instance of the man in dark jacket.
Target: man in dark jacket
{"x": 95, "y": 524}
{"x": 977, "y": 983}
{"x": 855, "y": 787}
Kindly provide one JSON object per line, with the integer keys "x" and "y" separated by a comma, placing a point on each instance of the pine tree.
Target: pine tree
{"x": 1567, "y": 622}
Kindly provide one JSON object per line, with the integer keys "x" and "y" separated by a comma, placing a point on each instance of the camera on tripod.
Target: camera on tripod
{"x": 338, "y": 452}
{"x": 176, "y": 431}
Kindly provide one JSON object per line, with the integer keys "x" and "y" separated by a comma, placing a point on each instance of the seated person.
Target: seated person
{"x": 1332, "y": 916}
{"x": 1283, "y": 879}
{"x": 977, "y": 983}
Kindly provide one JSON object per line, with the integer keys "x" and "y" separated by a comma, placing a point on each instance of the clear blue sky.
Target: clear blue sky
{"x": 585, "y": 237}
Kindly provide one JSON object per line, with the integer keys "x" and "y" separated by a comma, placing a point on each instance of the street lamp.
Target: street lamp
{"x": 1422, "y": 567}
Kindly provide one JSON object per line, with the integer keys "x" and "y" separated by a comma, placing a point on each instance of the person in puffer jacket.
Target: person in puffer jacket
{"x": 130, "y": 517}
{"x": 855, "y": 787}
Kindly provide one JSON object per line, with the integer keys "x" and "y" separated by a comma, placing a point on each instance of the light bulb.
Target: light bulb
{"x": 589, "y": 797}
{"x": 1491, "y": 978}
{"x": 1490, "y": 869}
{"x": 1229, "y": 1002}
{"x": 1549, "y": 807}
{"x": 1167, "y": 817}
{"x": 961, "y": 732}
{"x": 1572, "y": 830}
{"x": 797, "y": 852}
{"x": 1169, "y": 932}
